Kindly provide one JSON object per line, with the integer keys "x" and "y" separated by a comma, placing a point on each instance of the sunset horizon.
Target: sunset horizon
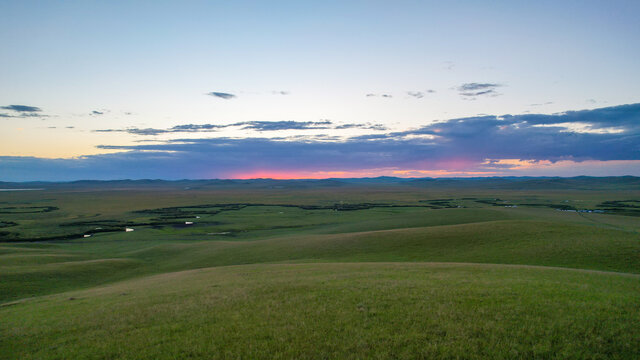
{"x": 596, "y": 142}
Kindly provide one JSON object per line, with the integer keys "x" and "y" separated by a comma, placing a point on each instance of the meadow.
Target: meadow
{"x": 328, "y": 269}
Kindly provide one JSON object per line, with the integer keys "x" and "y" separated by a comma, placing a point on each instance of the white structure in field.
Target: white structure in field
{"x": 188, "y": 222}
{"x": 128, "y": 229}
{"x": 87, "y": 235}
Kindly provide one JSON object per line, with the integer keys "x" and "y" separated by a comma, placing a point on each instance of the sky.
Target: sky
{"x": 302, "y": 89}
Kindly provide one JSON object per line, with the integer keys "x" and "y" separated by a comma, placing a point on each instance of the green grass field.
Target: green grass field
{"x": 319, "y": 272}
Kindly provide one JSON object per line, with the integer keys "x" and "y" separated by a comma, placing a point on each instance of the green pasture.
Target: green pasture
{"x": 346, "y": 272}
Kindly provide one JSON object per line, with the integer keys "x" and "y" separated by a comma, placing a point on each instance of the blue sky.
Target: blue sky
{"x": 110, "y": 79}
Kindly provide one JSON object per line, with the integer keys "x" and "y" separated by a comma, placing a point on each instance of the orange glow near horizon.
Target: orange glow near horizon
{"x": 272, "y": 174}
{"x": 286, "y": 175}
{"x": 490, "y": 167}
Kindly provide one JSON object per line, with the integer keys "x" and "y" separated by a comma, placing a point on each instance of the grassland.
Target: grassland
{"x": 354, "y": 271}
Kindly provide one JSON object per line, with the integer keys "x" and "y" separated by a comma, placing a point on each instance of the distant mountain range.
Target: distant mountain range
{"x": 512, "y": 183}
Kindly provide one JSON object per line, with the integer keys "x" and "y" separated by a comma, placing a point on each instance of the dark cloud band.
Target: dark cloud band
{"x": 465, "y": 144}
{"x": 21, "y": 108}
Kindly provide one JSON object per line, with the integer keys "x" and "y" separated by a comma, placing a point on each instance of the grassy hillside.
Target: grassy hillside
{"x": 36, "y": 270}
{"x": 382, "y": 310}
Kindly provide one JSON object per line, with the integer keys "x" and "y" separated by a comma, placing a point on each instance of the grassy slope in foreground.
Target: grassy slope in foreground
{"x": 382, "y": 310}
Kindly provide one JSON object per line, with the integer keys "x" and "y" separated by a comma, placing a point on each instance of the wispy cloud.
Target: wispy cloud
{"x": 197, "y": 127}
{"x": 137, "y": 131}
{"x": 23, "y": 115}
{"x": 147, "y": 131}
{"x": 367, "y": 126}
{"x": 259, "y": 126}
{"x": 420, "y": 94}
{"x": 285, "y": 125}
{"x": 221, "y": 95}
{"x": 473, "y": 90}
{"x": 416, "y": 94}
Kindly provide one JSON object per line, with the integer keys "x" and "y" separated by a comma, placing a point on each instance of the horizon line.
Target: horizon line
{"x": 329, "y": 178}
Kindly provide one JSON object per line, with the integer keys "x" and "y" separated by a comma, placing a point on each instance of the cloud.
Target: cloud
{"x": 23, "y": 115}
{"x": 22, "y": 111}
{"x": 280, "y": 92}
{"x": 491, "y": 144}
{"x": 21, "y": 108}
{"x": 420, "y": 94}
{"x": 194, "y": 127}
{"x": 285, "y": 125}
{"x": 476, "y": 86}
{"x": 147, "y": 131}
{"x": 380, "y": 95}
{"x": 187, "y": 128}
{"x": 611, "y": 133}
{"x": 248, "y": 125}
{"x": 473, "y": 90}
{"x": 96, "y": 112}
{"x": 136, "y": 131}
{"x": 221, "y": 95}
{"x": 366, "y": 126}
